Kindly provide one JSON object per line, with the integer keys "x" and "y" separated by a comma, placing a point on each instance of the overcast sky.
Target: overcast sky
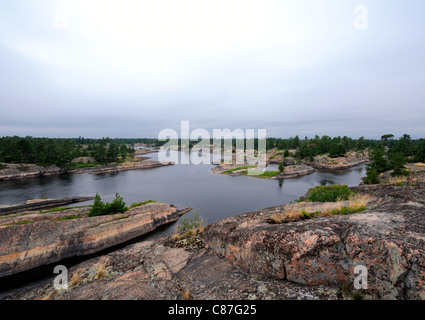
{"x": 131, "y": 68}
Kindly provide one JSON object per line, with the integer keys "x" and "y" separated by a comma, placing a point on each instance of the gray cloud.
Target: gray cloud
{"x": 134, "y": 68}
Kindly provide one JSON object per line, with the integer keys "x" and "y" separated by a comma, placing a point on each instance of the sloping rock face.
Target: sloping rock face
{"x": 38, "y": 204}
{"x": 49, "y": 237}
{"x": 389, "y": 240}
{"x": 152, "y": 270}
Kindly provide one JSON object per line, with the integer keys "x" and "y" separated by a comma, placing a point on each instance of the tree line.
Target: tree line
{"x": 61, "y": 151}
{"x": 387, "y": 153}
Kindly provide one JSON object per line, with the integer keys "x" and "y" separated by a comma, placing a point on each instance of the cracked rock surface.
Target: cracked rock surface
{"x": 389, "y": 240}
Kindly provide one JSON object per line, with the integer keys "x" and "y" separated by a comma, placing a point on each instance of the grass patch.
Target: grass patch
{"x": 302, "y": 210}
{"x": 120, "y": 218}
{"x": 138, "y": 204}
{"x": 238, "y": 168}
{"x": 81, "y": 165}
{"x": 269, "y": 173}
{"x": 66, "y": 218}
{"x": 19, "y": 223}
{"x": 64, "y": 208}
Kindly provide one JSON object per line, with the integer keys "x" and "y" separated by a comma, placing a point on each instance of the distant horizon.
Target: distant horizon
{"x": 272, "y": 137}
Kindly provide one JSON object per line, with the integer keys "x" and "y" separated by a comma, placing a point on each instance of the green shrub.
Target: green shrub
{"x": 372, "y": 177}
{"x": 281, "y": 167}
{"x": 331, "y": 193}
{"x": 189, "y": 224}
{"x": 99, "y": 208}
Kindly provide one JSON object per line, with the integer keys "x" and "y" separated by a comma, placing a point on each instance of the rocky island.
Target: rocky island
{"x": 24, "y": 171}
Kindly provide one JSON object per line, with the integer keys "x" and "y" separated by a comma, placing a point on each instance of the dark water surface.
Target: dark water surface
{"x": 213, "y": 196}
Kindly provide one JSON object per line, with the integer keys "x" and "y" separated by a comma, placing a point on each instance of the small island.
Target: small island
{"x": 30, "y": 157}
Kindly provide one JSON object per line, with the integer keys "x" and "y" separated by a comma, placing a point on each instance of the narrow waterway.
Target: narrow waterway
{"x": 213, "y": 196}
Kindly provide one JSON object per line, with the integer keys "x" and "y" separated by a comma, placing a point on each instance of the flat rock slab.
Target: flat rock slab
{"x": 34, "y": 239}
{"x": 39, "y": 204}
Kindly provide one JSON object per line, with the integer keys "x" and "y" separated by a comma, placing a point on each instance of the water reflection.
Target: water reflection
{"x": 324, "y": 182}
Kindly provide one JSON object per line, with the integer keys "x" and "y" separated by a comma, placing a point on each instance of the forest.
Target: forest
{"x": 386, "y": 153}
{"x": 61, "y": 151}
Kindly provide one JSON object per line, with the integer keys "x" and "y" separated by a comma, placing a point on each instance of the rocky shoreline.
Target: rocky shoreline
{"x": 25, "y": 171}
{"x": 39, "y": 204}
{"x": 249, "y": 257}
{"x": 350, "y": 160}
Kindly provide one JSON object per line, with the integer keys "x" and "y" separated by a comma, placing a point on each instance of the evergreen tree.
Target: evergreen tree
{"x": 98, "y": 207}
{"x": 372, "y": 177}
{"x": 379, "y": 162}
{"x": 398, "y": 162}
{"x": 281, "y": 167}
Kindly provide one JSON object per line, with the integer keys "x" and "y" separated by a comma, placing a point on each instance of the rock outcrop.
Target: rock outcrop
{"x": 295, "y": 171}
{"x": 84, "y": 160}
{"x": 22, "y": 171}
{"x": 146, "y": 164}
{"x": 39, "y": 204}
{"x": 32, "y": 240}
{"x": 153, "y": 270}
{"x": 389, "y": 240}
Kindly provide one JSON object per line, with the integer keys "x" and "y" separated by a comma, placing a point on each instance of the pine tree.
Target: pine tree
{"x": 372, "y": 177}
{"x": 98, "y": 207}
{"x": 379, "y": 161}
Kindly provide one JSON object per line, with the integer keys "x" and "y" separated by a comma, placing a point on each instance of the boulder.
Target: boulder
{"x": 295, "y": 171}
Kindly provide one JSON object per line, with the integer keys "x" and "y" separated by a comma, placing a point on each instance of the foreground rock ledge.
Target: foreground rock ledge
{"x": 43, "y": 239}
{"x": 389, "y": 240}
{"x": 245, "y": 257}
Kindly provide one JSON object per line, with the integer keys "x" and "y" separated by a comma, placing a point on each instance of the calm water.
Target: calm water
{"x": 213, "y": 196}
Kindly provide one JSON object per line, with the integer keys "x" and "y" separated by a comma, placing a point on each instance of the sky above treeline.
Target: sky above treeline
{"x": 131, "y": 68}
